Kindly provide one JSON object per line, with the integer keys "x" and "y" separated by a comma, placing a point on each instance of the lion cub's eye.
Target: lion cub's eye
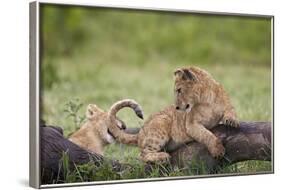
{"x": 178, "y": 90}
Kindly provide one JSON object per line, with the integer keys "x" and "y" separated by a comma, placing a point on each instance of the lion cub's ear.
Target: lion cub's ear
{"x": 92, "y": 110}
{"x": 184, "y": 74}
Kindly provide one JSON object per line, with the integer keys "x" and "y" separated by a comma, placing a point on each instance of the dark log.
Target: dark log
{"x": 52, "y": 146}
{"x": 251, "y": 141}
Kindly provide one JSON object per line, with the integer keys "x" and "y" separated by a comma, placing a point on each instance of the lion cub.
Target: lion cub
{"x": 94, "y": 134}
{"x": 200, "y": 104}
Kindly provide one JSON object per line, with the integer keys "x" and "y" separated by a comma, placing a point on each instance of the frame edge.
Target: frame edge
{"x": 34, "y": 171}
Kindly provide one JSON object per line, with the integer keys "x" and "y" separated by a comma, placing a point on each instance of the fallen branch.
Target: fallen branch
{"x": 251, "y": 141}
{"x": 52, "y": 146}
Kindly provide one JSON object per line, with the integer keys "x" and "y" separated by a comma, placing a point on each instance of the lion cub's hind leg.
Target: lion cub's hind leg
{"x": 152, "y": 146}
{"x": 230, "y": 119}
{"x": 229, "y": 116}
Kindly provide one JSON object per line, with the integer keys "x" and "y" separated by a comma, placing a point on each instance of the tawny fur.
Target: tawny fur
{"x": 93, "y": 135}
{"x": 200, "y": 104}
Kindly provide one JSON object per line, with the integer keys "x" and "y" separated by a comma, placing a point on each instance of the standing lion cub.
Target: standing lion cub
{"x": 200, "y": 104}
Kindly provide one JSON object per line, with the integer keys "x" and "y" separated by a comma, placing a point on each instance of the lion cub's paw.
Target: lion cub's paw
{"x": 217, "y": 150}
{"x": 156, "y": 157}
{"x": 163, "y": 158}
{"x": 230, "y": 120}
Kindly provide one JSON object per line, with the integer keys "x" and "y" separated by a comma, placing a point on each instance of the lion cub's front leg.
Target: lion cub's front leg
{"x": 202, "y": 135}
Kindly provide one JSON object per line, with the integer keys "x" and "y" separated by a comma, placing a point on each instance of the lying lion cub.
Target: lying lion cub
{"x": 200, "y": 104}
{"x": 94, "y": 135}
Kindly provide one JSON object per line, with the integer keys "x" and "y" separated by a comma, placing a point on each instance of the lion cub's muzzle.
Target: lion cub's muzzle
{"x": 108, "y": 131}
{"x": 183, "y": 108}
{"x": 120, "y": 124}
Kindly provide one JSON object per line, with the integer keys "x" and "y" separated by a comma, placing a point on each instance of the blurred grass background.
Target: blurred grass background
{"x": 101, "y": 55}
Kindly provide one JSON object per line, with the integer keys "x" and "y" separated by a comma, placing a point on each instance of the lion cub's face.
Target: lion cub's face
{"x": 185, "y": 89}
{"x": 96, "y": 123}
{"x": 94, "y": 134}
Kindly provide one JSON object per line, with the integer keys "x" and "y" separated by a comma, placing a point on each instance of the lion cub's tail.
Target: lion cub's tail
{"x": 120, "y": 135}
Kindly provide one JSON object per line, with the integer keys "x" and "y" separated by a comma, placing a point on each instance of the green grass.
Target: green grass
{"x": 152, "y": 86}
{"x": 98, "y": 56}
